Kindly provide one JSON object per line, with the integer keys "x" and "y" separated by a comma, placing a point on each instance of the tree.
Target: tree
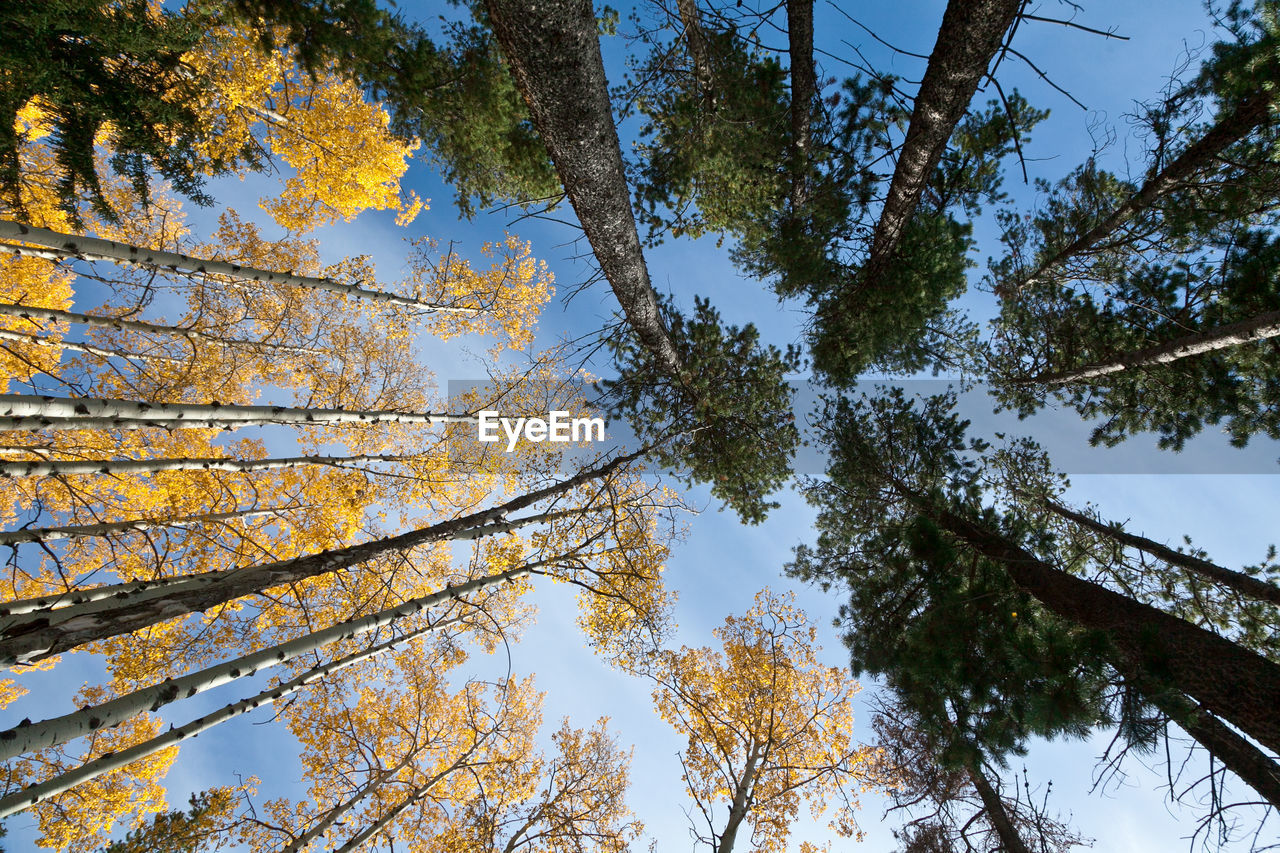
{"x": 768, "y": 727}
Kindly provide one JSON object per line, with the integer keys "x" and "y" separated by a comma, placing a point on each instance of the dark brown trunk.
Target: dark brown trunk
{"x": 996, "y": 813}
{"x": 1238, "y": 581}
{"x": 971, "y": 33}
{"x": 553, "y": 49}
{"x": 691, "y": 20}
{"x": 804, "y": 86}
{"x": 1234, "y": 752}
{"x": 35, "y": 639}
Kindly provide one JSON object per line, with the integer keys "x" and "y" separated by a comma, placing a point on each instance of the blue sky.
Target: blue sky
{"x": 722, "y": 564}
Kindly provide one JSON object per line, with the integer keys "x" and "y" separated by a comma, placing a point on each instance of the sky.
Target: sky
{"x": 1223, "y": 498}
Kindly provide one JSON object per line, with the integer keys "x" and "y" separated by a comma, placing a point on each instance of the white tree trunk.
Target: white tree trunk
{"x": 73, "y": 467}
{"x": 34, "y": 641}
{"x": 35, "y": 413}
{"x": 93, "y": 249}
{"x": 57, "y": 730}
{"x": 331, "y": 816}
{"x": 51, "y": 315}
{"x": 106, "y": 528}
{"x": 41, "y": 791}
{"x": 1261, "y": 327}
{"x": 77, "y": 346}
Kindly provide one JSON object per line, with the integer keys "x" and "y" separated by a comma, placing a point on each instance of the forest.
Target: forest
{"x": 842, "y": 282}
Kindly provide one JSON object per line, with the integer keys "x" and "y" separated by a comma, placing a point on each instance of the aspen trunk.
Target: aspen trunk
{"x": 1257, "y": 328}
{"x": 53, "y": 610}
{"x": 41, "y": 791}
{"x": 553, "y": 49}
{"x": 1240, "y": 582}
{"x": 418, "y": 793}
{"x": 740, "y": 806}
{"x": 78, "y": 346}
{"x": 51, "y": 315}
{"x": 74, "y": 467}
{"x": 331, "y": 816}
{"x": 971, "y": 33}
{"x": 107, "y": 528}
{"x": 57, "y": 730}
{"x": 997, "y": 815}
{"x": 32, "y": 642}
{"x": 34, "y": 413}
{"x": 94, "y": 249}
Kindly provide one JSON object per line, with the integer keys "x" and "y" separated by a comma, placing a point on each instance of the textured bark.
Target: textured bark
{"x": 35, "y": 413}
{"x": 971, "y": 33}
{"x": 107, "y": 528}
{"x": 41, "y": 791}
{"x": 57, "y": 730}
{"x": 32, "y": 640}
{"x": 997, "y": 815}
{"x": 51, "y": 315}
{"x": 740, "y": 806}
{"x": 1261, "y": 327}
{"x": 64, "y": 246}
{"x": 115, "y": 467}
{"x": 691, "y": 20}
{"x": 33, "y": 339}
{"x": 553, "y": 50}
{"x": 1234, "y": 683}
{"x": 1253, "y": 766}
{"x": 1238, "y": 581}
{"x": 1238, "y": 123}
{"x": 804, "y": 86}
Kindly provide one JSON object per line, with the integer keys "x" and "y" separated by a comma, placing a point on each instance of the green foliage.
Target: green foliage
{"x": 95, "y": 66}
{"x": 731, "y": 412}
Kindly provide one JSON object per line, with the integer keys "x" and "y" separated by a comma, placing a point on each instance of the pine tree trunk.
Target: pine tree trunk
{"x": 108, "y": 528}
{"x": 31, "y": 642}
{"x": 1234, "y": 683}
{"x": 553, "y": 50}
{"x": 41, "y": 791}
{"x": 1239, "y": 122}
{"x": 35, "y": 413}
{"x": 93, "y": 249}
{"x": 117, "y": 467}
{"x": 971, "y": 33}
{"x": 1253, "y": 766}
{"x": 704, "y": 76}
{"x": 57, "y": 730}
{"x": 1240, "y": 582}
{"x": 51, "y": 315}
{"x": 997, "y": 815}
{"x": 740, "y": 806}
{"x": 1258, "y": 328}
{"x": 804, "y": 87}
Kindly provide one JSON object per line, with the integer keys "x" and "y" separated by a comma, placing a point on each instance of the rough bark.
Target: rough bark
{"x": 1238, "y": 581}
{"x": 997, "y": 815}
{"x": 1238, "y": 123}
{"x": 696, "y": 39}
{"x": 32, "y": 641}
{"x": 107, "y": 528}
{"x": 1261, "y": 327}
{"x": 41, "y": 791}
{"x": 553, "y": 50}
{"x": 116, "y": 467}
{"x": 65, "y": 246}
{"x": 1234, "y": 683}
{"x": 740, "y": 806}
{"x": 1253, "y": 766}
{"x": 51, "y": 315}
{"x": 971, "y": 33}
{"x": 35, "y": 413}
{"x": 804, "y": 86}
{"x": 29, "y": 736}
